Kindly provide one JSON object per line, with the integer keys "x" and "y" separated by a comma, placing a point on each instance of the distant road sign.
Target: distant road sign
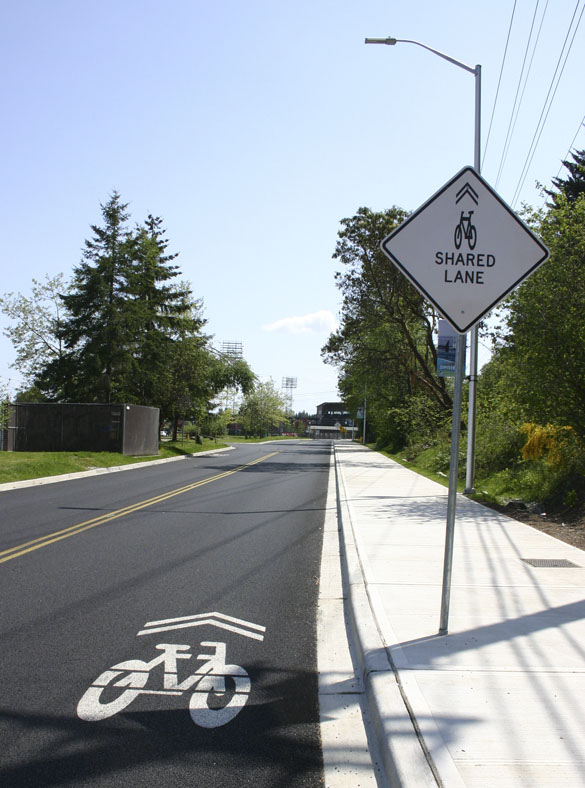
{"x": 465, "y": 249}
{"x": 446, "y": 349}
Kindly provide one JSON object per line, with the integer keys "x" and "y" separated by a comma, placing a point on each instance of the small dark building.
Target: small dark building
{"x": 333, "y": 420}
{"x": 128, "y": 429}
{"x": 331, "y": 413}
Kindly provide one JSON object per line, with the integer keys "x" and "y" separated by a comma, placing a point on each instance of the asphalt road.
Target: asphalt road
{"x": 102, "y": 578}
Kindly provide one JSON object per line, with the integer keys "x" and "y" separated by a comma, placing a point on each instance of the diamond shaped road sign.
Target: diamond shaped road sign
{"x": 465, "y": 249}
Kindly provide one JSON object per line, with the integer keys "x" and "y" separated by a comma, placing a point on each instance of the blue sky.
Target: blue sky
{"x": 253, "y": 128}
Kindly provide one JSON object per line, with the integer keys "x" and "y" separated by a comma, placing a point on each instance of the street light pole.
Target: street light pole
{"x": 459, "y": 364}
{"x": 473, "y": 344}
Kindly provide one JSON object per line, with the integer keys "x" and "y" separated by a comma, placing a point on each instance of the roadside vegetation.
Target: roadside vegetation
{"x": 530, "y": 425}
{"x": 126, "y": 328}
{"x": 22, "y": 465}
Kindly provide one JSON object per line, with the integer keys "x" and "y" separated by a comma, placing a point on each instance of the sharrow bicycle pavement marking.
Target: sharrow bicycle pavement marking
{"x": 56, "y": 536}
{"x": 201, "y": 619}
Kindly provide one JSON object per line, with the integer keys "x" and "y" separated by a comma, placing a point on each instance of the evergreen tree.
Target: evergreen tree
{"x": 125, "y": 314}
{"x": 133, "y": 331}
{"x": 161, "y": 312}
{"x": 574, "y": 185}
{"x": 98, "y": 362}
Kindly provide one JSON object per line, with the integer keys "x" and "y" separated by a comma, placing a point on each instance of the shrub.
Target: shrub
{"x": 559, "y": 446}
{"x": 422, "y": 422}
{"x": 556, "y": 455}
{"x": 498, "y": 445}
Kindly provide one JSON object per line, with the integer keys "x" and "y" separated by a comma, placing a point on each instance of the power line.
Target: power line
{"x": 516, "y": 104}
{"x": 527, "y": 76}
{"x": 542, "y": 120}
{"x": 499, "y": 83}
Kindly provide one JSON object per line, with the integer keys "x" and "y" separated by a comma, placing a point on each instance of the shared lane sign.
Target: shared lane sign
{"x": 465, "y": 249}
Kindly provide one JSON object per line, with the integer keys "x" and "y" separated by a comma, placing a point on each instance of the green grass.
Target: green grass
{"x": 522, "y": 481}
{"x": 425, "y": 465}
{"x": 18, "y": 466}
{"x": 433, "y": 463}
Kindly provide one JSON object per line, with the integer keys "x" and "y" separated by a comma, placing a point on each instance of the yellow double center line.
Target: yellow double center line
{"x": 56, "y": 536}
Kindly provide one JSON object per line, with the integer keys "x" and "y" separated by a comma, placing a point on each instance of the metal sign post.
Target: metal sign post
{"x": 453, "y": 472}
{"x": 464, "y": 250}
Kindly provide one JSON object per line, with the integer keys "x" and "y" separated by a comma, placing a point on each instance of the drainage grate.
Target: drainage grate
{"x": 550, "y": 562}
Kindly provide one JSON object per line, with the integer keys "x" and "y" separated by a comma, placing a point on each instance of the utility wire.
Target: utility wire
{"x": 538, "y": 133}
{"x": 499, "y": 83}
{"x": 509, "y": 132}
{"x": 526, "y": 79}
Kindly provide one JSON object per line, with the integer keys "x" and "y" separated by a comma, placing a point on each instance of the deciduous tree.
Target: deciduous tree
{"x": 36, "y": 325}
{"x": 386, "y": 333}
{"x": 542, "y": 360}
{"x": 263, "y": 408}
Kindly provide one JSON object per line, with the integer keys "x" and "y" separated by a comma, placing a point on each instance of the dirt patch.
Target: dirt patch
{"x": 568, "y": 526}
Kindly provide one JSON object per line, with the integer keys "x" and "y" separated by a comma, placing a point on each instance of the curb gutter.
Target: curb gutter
{"x": 406, "y": 761}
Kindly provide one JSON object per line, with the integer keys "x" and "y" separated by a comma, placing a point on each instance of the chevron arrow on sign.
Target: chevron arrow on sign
{"x": 465, "y": 249}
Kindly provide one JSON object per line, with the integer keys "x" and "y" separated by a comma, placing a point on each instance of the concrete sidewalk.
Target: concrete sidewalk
{"x": 500, "y": 700}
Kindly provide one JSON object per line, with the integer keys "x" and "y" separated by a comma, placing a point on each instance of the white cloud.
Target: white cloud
{"x": 313, "y": 323}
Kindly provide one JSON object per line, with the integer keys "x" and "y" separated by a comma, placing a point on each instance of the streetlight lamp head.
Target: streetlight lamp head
{"x": 389, "y": 41}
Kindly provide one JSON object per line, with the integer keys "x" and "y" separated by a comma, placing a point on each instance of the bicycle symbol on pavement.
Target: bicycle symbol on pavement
{"x": 219, "y": 691}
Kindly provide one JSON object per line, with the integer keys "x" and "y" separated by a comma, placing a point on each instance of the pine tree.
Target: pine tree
{"x": 574, "y": 184}
{"x": 98, "y": 361}
{"x": 133, "y": 331}
{"x": 161, "y": 311}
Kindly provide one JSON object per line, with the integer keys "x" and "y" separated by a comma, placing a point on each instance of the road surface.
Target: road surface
{"x": 157, "y": 625}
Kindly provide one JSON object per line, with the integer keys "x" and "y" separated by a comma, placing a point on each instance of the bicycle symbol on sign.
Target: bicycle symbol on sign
{"x": 219, "y": 691}
{"x": 465, "y": 230}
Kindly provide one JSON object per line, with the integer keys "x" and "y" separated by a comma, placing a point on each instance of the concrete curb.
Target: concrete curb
{"x": 406, "y": 762}
{"x": 95, "y": 471}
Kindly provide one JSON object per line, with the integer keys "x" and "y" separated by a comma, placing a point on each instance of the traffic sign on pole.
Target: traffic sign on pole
{"x": 465, "y": 249}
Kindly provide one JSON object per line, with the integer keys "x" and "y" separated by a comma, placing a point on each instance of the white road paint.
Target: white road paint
{"x": 213, "y": 680}
{"x": 237, "y": 625}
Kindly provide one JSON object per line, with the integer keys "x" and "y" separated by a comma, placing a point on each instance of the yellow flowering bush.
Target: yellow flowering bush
{"x": 558, "y": 446}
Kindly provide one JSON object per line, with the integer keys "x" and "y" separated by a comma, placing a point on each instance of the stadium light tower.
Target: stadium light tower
{"x": 288, "y": 384}
{"x": 232, "y": 349}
